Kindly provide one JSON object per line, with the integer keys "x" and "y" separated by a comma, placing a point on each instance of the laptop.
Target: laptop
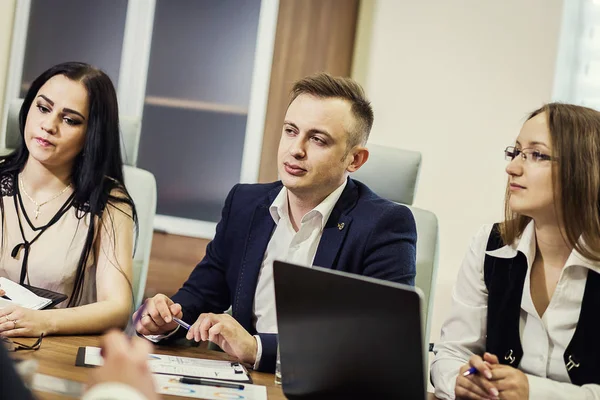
{"x": 343, "y": 335}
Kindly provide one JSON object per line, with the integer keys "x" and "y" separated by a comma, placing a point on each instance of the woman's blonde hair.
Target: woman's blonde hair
{"x": 575, "y": 138}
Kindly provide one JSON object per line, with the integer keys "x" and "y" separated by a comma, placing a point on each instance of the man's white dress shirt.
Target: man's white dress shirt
{"x": 544, "y": 339}
{"x": 287, "y": 245}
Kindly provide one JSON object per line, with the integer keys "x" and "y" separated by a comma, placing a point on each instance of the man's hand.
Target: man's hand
{"x": 227, "y": 333}
{"x": 477, "y": 386}
{"x": 158, "y": 316}
{"x": 125, "y": 362}
{"x": 510, "y": 381}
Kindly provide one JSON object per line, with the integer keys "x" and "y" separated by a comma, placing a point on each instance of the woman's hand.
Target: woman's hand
{"x": 18, "y": 321}
{"x": 478, "y": 385}
{"x": 510, "y": 381}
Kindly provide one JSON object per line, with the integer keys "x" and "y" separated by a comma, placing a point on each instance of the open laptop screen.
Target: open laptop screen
{"x": 345, "y": 335}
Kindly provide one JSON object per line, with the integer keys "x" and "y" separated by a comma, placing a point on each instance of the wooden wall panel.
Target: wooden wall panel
{"x": 172, "y": 259}
{"x": 311, "y": 36}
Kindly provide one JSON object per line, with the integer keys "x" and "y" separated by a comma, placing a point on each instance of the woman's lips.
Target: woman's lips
{"x": 43, "y": 142}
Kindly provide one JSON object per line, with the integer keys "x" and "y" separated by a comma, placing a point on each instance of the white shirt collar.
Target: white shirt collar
{"x": 279, "y": 207}
{"x": 526, "y": 244}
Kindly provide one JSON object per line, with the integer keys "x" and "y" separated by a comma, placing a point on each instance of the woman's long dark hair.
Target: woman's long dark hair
{"x": 97, "y": 174}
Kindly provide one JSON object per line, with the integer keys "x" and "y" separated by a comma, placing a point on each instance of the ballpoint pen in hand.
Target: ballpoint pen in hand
{"x": 181, "y": 323}
{"x": 474, "y": 370}
{"x": 130, "y": 328}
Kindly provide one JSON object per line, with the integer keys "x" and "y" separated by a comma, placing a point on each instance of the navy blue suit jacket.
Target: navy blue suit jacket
{"x": 378, "y": 239}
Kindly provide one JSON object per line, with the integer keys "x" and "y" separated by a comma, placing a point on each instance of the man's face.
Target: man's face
{"x": 313, "y": 159}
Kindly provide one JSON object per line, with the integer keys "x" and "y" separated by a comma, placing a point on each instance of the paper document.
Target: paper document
{"x": 21, "y": 296}
{"x": 183, "y": 366}
{"x": 168, "y": 384}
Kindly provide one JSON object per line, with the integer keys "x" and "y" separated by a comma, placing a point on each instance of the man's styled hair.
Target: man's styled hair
{"x": 325, "y": 86}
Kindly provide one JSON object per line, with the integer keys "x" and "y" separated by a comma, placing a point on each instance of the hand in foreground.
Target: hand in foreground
{"x": 125, "y": 361}
{"x": 511, "y": 382}
{"x": 158, "y": 316}
{"x": 227, "y": 333}
{"x": 477, "y": 386}
{"x": 16, "y": 321}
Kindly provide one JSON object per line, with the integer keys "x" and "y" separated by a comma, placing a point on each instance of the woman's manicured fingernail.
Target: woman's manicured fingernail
{"x": 488, "y": 375}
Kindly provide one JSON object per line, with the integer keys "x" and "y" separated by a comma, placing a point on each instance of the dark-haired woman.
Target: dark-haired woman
{"x": 525, "y": 317}
{"x": 67, "y": 219}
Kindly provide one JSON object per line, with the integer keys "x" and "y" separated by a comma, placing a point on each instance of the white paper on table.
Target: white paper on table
{"x": 21, "y": 296}
{"x": 169, "y": 384}
{"x": 173, "y": 365}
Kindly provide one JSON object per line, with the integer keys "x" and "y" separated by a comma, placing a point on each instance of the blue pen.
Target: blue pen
{"x": 470, "y": 371}
{"x": 181, "y": 323}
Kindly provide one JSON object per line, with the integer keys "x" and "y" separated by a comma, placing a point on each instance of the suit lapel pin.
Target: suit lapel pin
{"x": 341, "y": 226}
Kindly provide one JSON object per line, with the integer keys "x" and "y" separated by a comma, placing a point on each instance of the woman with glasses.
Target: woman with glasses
{"x": 67, "y": 219}
{"x": 524, "y": 320}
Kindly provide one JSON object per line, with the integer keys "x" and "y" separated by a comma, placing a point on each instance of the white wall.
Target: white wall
{"x": 454, "y": 79}
{"x": 7, "y": 10}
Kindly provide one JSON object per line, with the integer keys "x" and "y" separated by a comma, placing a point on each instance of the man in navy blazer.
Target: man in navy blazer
{"x": 316, "y": 215}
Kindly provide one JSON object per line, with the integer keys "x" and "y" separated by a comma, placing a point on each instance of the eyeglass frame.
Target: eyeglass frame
{"x": 16, "y": 346}
{"x": 526, "y": 153}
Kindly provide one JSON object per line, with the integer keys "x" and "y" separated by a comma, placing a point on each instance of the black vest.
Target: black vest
{"x": 504, "y": 279}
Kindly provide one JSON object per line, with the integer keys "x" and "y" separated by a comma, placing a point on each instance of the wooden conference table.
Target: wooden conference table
{"x": 57, "y": 354}
{"x": 56, "y": 357}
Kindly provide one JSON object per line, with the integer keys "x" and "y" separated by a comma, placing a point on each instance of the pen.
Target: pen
{"x": 199, "y": 381}
{"x": 181, "y": 323}
{"x": 130, "y": 328}
{"x": 470, "y": 371}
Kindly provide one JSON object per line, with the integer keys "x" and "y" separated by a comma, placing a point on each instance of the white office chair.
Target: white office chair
{"x": 393, "y": 173}
{"x": 140, "y": 184}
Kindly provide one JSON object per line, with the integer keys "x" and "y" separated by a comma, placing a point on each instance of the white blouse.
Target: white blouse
{"x": 544, "y": 339}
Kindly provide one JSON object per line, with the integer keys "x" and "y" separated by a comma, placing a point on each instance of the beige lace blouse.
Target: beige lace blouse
{"x": 54, "y": 256}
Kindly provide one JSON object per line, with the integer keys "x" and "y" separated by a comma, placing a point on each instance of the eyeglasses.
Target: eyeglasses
{"x": 531, "y": 155}
{"x": 11, "y": 345}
